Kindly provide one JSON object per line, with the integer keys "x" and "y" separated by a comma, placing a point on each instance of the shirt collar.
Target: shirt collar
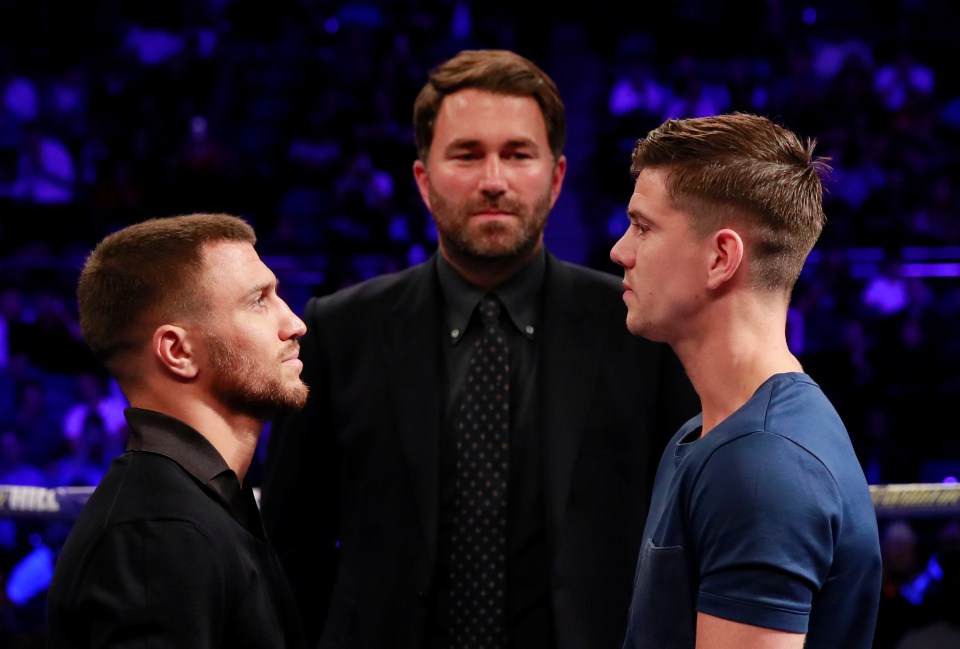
{"x": 519, "y": 296}
{"x": 155, "y": 432}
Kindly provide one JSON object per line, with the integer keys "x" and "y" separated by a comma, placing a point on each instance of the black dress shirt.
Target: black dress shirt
{"x": 170, "y": 552}
{"x": 529, "y": 624}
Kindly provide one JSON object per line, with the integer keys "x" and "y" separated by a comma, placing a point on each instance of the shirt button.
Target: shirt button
{"x": 529, "y": 329}
{"x": 454, "y": 333}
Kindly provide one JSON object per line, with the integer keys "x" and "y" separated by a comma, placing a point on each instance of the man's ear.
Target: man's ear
{"x": 726, "y": 257}
{"x": 556, "y": 181}
{"x": 174, "y": 351}
{"x": 422, "y": 177}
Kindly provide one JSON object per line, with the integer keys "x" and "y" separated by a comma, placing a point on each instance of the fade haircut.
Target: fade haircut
{"x": 145, "y": 275}
{"x": 500, "y": 72}
{"x": 743, "y": 170}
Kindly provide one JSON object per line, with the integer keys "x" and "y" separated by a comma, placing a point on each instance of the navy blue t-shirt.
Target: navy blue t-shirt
{"x": 767, "y": 520}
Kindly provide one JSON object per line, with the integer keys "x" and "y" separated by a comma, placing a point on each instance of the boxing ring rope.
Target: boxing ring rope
{"x": 890, "y": 501}
{"x": 55, "y": 503}
{"x": 31, "y": 575}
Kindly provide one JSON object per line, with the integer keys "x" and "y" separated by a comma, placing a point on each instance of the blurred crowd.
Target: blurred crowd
{"x": 297, "y": 116}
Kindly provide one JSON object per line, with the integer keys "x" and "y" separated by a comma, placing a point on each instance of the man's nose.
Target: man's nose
{"x": 619, "y": 253}
{"x": 493, "y": 181}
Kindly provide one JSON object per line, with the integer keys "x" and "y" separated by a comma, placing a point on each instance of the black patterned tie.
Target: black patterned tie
{"x": 478, "y": 561}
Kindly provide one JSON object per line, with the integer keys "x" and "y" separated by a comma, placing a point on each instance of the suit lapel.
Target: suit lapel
{"x": 570, "y": 359}
{"x": 411, "y": 341}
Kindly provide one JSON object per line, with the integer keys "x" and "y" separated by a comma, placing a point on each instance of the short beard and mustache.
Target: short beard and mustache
{"x": 494, "y": 243}
{"x": 243, "y": 386}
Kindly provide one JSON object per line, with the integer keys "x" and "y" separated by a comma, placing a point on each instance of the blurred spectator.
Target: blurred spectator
{"x": 856, "y": 169}
{"x": 66, "y": 101}
{"x": 796, "y": 89}
{"x": 935, "y": 222}
{"x": 116, "y": 193}
{"x": 37, "y": 425}
{"x": 747, "y": 82}
{"x": 899, "y": 600}
{"x": 24, "y": 573}
{"x": 204, "y": 171}
{"x": 16, "y": 469}
{"x": 360, "y": 212}
{"x": 898, "y": 81}
{"x": 150, "y": 41}
{"x": 636, "y": 97}
{"x": 46, "y": 170}
{"x": 942, "y": 599}
{"x": 849, "y": 87}
{"x": 11, "y": 317}
{"x": 833, "y": 58}
{"x": 49, "y": 335}
{"x": 886, "y": 293}
{"x": 23, "y": 604}
{"x": 89, "y": 455}
{"x": 693, "y": 93}
{"x": 98, "y": 410}
{"x": 637, "y": 92}
{"x": 18, "y": 92}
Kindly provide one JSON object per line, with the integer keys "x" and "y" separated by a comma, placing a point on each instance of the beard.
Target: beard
{"x": 491, "y": 242}
{"x": 244, "y": 385}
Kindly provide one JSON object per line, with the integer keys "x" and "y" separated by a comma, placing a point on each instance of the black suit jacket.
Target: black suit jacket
{"x": 361, "y": 462}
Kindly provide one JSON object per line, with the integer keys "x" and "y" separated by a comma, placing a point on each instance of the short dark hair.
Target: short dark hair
{"x": 143, "y": 274}
{"x": 744, "y": 169}
{"x": 498, "y": 71}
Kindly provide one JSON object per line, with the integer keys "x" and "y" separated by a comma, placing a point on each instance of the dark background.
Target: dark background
{"x": 296, "y": 115}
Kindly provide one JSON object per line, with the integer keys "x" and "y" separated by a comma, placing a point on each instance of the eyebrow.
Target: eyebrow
{"x": 261, "y": 288}
{"x": 470, "y": 143}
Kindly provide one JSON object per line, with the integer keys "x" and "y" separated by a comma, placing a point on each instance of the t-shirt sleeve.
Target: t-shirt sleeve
{"x": 763, "y": 520}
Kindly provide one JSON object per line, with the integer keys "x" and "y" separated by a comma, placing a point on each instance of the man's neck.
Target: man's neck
{"x": 487, "y": 274}
{"x": 731, "y": 358}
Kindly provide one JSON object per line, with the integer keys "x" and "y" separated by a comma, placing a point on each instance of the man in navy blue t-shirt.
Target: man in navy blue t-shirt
{"x": 762, "y": 532}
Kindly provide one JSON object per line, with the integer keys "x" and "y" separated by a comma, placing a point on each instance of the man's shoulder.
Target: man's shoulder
{"x": 584, "y": 275}
{"x": 142, "y": 486}
{"x": 583, "y": 289}
{"x": 375, "y": 292}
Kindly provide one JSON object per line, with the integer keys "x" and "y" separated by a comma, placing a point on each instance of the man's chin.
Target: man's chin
{"x": 636, "y": 326}
{"x": 500, "y": 246}
{"x": 298, "y": 397}
{"x": 263, "y": 406}
{"x": 294, "y": 398}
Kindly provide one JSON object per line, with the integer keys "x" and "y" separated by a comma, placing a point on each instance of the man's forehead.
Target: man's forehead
{"x": 229, "y": 251}
{"x": 234, "y": 263}
{"x": 486, "y": 113}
